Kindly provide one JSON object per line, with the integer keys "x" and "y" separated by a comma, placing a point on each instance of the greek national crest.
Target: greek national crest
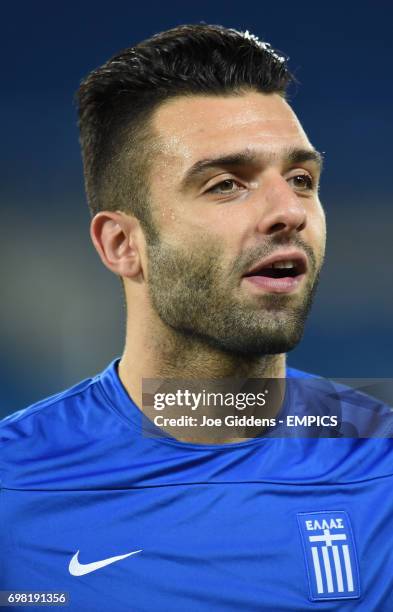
{"x": 330, "y": 555}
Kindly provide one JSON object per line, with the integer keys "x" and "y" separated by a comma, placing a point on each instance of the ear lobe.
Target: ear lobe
{"x": 114, "y": 236}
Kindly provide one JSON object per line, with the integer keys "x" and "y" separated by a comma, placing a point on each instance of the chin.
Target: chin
{"x": 255, "y": 345}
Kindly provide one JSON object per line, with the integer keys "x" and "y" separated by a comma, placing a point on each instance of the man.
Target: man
{"x": 203, "y": 188}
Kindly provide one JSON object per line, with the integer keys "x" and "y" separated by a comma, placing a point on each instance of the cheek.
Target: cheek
{"x": 208, "y": 226}
{"x": 317, "y": 227}
{"x": 227, "y": 223}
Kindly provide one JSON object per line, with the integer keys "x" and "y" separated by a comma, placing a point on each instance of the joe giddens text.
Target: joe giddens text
{"x": 245, "y": 421}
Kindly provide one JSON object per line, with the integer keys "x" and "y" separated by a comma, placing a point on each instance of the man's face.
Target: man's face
{"x": 233, "y": 190}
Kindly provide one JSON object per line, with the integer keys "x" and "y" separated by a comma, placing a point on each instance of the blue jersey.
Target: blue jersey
{"x": 121, "y": 521}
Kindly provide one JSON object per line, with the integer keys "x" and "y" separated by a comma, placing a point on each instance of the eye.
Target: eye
{"x": 225, "y": 187}
{"x": 302, "y": 182}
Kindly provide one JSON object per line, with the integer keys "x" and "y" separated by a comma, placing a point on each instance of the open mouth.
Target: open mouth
{"x": 280, "y": 273}
{"x": 280, "y": 269}
{"x": 275, "y": 273}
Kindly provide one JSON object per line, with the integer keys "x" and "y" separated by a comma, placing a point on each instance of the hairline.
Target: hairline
{"x": 147, "y": 136}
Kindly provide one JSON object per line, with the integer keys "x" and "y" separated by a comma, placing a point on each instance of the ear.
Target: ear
{"x": 116, "y": 237}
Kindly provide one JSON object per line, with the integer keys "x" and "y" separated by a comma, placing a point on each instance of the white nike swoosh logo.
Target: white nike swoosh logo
{"x": 79, "y": 569}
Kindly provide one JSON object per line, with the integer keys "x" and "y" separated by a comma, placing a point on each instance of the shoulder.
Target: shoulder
{"x": 295, "y": 373}
{"x": 66, "y": 407}
{"x": 54, "y": 430}
{"x": 52, "y": 408}
{"x": 360, "y": 414}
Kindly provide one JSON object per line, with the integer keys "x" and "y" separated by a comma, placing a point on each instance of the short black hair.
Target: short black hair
{"x": 117, "y": 100}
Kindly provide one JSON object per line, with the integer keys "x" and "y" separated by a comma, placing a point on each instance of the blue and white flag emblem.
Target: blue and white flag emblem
{"x": 330, "y": 554}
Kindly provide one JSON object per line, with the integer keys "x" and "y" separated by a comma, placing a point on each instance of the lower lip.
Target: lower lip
{"x": 288, "y": 284}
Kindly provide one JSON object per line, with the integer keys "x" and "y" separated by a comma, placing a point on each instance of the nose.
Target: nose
{"x": 283, "y": 210}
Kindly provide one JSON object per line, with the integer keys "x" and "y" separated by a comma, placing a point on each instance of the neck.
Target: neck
{"x": 167, "y": 354}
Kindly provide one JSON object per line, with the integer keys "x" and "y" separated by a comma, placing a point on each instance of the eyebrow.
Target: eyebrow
{"x": 292, "y": 155}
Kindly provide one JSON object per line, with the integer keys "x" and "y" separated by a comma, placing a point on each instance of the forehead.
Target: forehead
{"x": 195, "y": 127}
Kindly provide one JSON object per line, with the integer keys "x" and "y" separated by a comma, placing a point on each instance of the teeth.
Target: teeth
{"x": 283, "y": 264}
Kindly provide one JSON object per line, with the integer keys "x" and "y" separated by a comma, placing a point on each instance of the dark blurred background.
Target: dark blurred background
{"x": 62, "y": 317}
